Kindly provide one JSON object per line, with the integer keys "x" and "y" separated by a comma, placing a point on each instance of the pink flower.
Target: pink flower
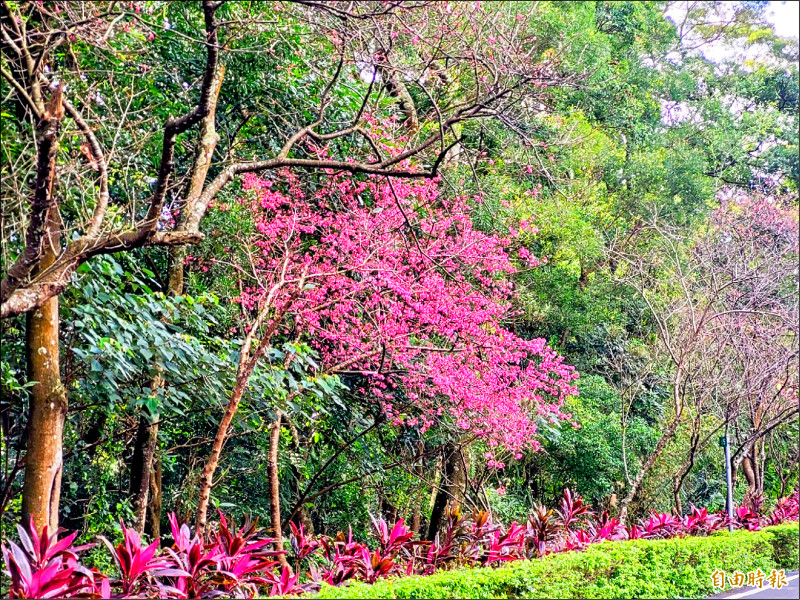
{"x": 435, "y": 336}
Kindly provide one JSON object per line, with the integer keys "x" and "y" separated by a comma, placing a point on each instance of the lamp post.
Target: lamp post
{"x": 723, "y": 441}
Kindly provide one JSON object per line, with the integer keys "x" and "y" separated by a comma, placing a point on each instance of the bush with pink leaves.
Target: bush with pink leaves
{"x": 237, "y": 562}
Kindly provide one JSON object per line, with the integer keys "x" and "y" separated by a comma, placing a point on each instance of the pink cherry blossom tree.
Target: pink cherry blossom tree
{"x": 390, "y": 281}
{"x": 361, "y": 52}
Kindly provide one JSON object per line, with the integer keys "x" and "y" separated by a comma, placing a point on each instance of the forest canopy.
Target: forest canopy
{"x": 320, "y": 262}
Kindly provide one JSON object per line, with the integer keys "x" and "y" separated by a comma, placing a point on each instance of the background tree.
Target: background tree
{"x": 725, "y": 310}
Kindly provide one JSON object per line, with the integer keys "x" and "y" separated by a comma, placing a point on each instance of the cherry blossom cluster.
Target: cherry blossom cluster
{"x": 392, "y": 279}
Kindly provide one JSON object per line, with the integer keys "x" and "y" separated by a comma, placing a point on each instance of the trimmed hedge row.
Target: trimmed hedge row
{"x": 672, "y": 568}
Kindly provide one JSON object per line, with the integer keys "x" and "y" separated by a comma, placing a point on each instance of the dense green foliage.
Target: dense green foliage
{"x": 656, "y": 115}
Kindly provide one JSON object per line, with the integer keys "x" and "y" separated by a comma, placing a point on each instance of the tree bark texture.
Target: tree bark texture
{"x": 275, "y": 487}
{"x": 141, "y": 465}
{"x": 450, "y": 489}
{"x": 41, "y": 490}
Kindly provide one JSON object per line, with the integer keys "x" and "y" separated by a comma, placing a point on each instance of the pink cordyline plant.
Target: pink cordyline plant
{"x": 232, "y": 561}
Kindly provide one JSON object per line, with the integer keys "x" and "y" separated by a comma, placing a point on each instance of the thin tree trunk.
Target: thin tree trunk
{"x": 156, "y": 498}
{"x": 463, "y": 475}
{"x": 145, "y": 449}
{"x": 685, "y": 468}
{"x": 141, "y": 465}
{"x": 274, "y": 488}
{"x": 247, "y": 363}
{"x": 450, "y": 489}
{"x": 762, "y": 463}
{"x": 246, "y": 367}
{"x": 637, "y": 481}
{"x": 437, "y": 470}
{"x": 440, "y": 502}
{"x": 662, "y": 443}
{"x": 416, "y": 514}
{"x": 676, "y": 495}
{"x": 624, "y": 431}
{"x": 41, "y": 490}
{"x": 207, "y": 477}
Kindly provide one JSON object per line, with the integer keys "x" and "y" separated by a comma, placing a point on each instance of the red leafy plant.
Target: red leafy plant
{"x": 139, "y": 567}
{"x": 237, "y": 562}
{"x": 745, "y": 517}
{"x": 42, "y": 566}
{"x": 234, "y": 562}
{"x": 786, "y": 509}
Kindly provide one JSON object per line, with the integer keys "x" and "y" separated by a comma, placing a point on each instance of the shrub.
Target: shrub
{"x": 786, "y": 552}
{"x": 658, "y": 568}
{"x": 235, "y": 562}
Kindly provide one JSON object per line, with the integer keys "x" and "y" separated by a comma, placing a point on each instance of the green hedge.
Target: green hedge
{"x": 675, "y": 568}
{"x": 785, "y": 546}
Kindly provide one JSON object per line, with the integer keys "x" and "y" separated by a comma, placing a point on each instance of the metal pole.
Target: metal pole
{"x": 728, "y": 481}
